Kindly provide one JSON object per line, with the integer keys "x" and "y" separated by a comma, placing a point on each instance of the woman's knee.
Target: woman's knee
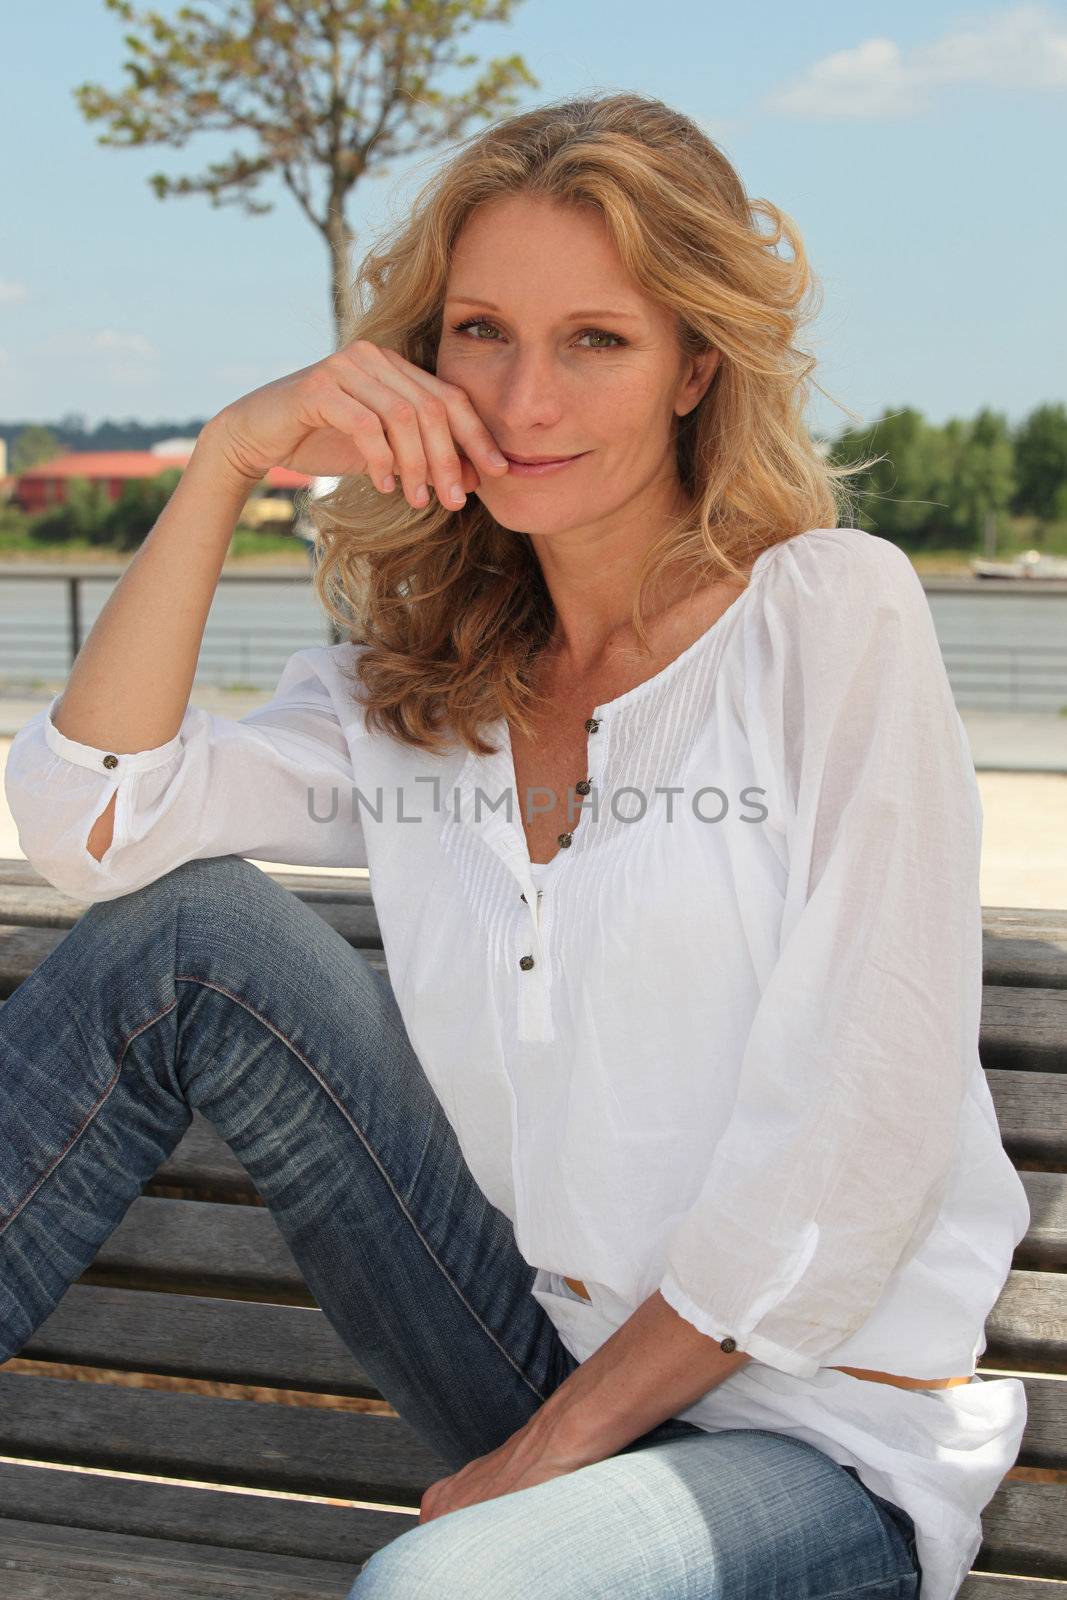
{"x": 454, "y": 1557}
{"x": 207, "y": 881}
{"x": 212, "y": 878}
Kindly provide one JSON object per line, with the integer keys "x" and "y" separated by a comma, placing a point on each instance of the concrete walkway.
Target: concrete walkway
{"x": 1022, "y": 777}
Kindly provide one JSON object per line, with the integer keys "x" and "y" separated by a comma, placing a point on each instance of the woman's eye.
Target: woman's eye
{"x": 587, "y": 333}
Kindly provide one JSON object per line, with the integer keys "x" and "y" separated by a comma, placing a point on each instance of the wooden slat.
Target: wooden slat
{"x": 42, "y": 1562}
{"x": 202, "y": 1247}
{"x": 272, "y": 1524}
{"x": 1024, "y": 946}
{"x": 198, "y": 1247}
{"x": 988, "y": 1586}
{"x": 1031, "y": 919}
{"x": 1023, "y": 1030}
{"x": 285, "y": 1347}
{"x": 24, "y": 948}
{"x": 1031, "y": 1109}
{"x": 1024, "y": 1530}
{"x": 301, "y": 1449}
{"x": 1026, "y": 1331}
{"x": 350, "y": 911}
{"x": 1020, "y": 1524}
{"x": 1045, "y": 1439}
{"x": 184, "y": 1336}
{"x": 1044, "y": 1245}
{"x": 50, "y": 1563}
{"x": 203, "y": 1165}
{"x": 15, "y": 871}
{"x": 1034, "y": 962}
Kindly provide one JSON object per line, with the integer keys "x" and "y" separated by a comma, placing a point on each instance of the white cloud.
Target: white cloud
{"x": 10, "y": 291}
{"x": 1022, "y": 47}
{"x": 127, "y": 360}
{"x": 104, "y": 341}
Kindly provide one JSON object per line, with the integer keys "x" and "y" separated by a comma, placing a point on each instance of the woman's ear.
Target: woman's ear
{"x": 701, "y": 370}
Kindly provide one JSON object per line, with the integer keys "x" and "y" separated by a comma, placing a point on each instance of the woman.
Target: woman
{"x": 662, "y": 1191}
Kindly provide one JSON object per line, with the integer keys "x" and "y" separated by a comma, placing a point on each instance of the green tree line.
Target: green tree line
{"x": 939, "y": 486}
{"x": 89, "y": 515}
{"x": 930, "y": 486}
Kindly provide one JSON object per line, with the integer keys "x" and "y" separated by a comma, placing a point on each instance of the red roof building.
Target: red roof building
{"x": 46, "y": 485}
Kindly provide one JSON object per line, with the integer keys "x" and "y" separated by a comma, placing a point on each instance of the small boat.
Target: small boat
{"x": 1032, "y": 564}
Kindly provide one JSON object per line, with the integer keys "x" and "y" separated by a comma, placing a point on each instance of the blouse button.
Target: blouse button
{"x": 728, "y": 1345}
{"x": 526, "y": 963}
{"x": 111, "y": 761}
{"x": 564, "y": 840}
{"x": 583, "y": 787}
{"x": 592, "y": 725}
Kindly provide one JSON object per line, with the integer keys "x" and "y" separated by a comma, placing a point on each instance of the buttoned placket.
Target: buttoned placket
{"x": 495, "y": 774}
{"x": 535, "y": 1000}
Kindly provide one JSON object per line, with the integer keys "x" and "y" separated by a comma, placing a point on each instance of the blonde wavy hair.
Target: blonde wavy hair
{"x": 450, "y": 608}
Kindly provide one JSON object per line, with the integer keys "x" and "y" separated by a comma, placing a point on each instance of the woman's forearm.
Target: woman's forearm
{"x": 653, "y": 1366}
{"x": 129, "y": 687}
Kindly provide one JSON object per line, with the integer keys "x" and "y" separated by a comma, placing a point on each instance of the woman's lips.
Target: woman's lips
{"x": 540, "y": 469}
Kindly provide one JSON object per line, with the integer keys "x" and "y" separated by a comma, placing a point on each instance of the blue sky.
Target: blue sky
{"x": 920, "y": 149}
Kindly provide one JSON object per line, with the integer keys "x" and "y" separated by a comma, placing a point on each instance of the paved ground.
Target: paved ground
{"x": 1022, "y": 775}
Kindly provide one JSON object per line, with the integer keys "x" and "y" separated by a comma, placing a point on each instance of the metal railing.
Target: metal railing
{"x": 1010, "y": 677}
{"x": 224, "y": 647}
{"x": 992, "y": 676}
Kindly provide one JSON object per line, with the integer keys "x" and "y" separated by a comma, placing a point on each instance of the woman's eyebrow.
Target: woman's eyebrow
{"x": 476, "y": 300}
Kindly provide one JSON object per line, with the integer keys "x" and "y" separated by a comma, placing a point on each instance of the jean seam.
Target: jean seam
{"x": 239, "y": 1000}
{"x": 865, "y": 1588}
{"x": 5, "y": 1222}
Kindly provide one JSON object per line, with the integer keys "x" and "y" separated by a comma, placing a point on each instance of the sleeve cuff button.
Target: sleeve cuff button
{"x": 728, "y": 1345}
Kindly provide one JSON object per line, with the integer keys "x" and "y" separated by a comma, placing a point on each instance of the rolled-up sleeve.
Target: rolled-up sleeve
{"x": 837, "y": 1150}
{"x": 275, "y": 785}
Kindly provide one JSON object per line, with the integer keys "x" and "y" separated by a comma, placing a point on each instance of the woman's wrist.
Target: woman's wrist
{"x": 212, "y": 447}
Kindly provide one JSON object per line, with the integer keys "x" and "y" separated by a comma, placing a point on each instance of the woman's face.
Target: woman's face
{"x": 564, "y": 356}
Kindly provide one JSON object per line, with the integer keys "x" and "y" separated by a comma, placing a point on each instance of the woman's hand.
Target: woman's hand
{"x": 363, "y": 409}
{"x": 520, "y": 1462}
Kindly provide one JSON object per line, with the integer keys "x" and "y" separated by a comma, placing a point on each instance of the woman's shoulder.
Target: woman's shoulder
{"x": 832, "y": 582}
{"x": 821, "y": 557}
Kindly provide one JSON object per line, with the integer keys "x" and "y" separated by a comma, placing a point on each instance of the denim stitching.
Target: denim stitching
{"x": 5, "y": 1222}
{"x": 866, "y": 1588}
{"x": 238, "y": 1000}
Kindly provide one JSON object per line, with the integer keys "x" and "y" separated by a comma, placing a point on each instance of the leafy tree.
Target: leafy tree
{"x": 328, "y": 91}
{"x": 79, "y": 516}
{"x": 33, "y": 446}
{"x": 130, "y": 519}
{"x": 983, "y": 473}
{"x": 1041, "y": 462}
{"x": 903, "y": 496}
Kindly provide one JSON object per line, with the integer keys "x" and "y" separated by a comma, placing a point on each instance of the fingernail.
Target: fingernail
{"x": 457, "y": 494}
{"x": 497, "y": 459}
{"x": 422, "y": 494}
{"x": 389, "y": 484}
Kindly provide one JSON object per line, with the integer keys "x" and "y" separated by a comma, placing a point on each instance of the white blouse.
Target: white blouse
{"x": 730, "y": 1052}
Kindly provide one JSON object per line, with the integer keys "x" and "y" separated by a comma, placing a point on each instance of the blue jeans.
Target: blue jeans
{"x": 215, "y": 988}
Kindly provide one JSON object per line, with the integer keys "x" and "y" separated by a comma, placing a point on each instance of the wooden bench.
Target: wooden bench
{"x": 214, "y": 1493}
